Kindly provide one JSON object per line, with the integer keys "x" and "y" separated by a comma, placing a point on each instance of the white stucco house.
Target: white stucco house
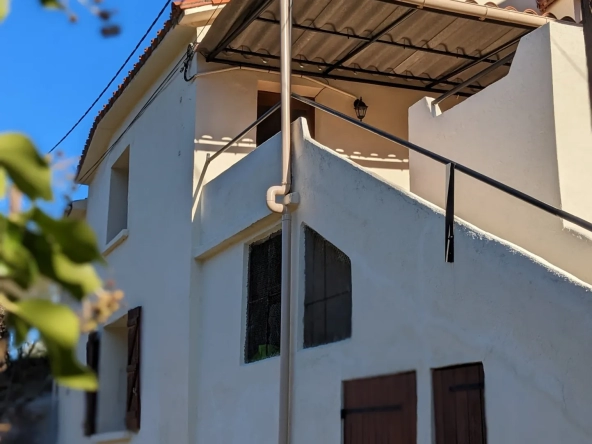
{"x": 436, "y": 256}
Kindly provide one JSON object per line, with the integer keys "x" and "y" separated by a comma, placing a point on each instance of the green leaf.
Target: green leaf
{"x": 2, "y": 180}
{"x": 75, "y": 237}
{"x": 51, "y": 4}
{"x": 18, "y": 263}
{"x": 67, "y": 371}
{"x": 20, "y": 328}
{"x": 4, "y": 9}
{"x": 78, "y": 279}
{"x": 59, "y": 329}
{"x": 27, "y": 169}
{"x": 56, "y": 322}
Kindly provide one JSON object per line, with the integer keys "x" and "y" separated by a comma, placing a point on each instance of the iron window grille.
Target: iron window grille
{"x": 328, "y": 292}
{"x": 264, "y": 299}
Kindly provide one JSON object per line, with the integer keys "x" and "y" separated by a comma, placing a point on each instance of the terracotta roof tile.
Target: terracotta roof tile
{"x": 177, "y": 9}
{"x": 543, "y": 5}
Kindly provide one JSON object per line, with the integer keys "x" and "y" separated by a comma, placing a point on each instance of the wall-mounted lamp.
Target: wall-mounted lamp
{"x": 360, "y": 108}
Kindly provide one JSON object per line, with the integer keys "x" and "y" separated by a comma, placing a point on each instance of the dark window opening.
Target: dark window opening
{"x": 382, "y": 409}
{"x": 264, "y": 299}
{"x": 459, "y": 404}
{"x": 272, "y": 125}
{"x": 328, "y": 292}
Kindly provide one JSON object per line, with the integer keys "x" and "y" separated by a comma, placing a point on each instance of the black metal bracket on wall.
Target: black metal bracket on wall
{"x": 449, "y": 218}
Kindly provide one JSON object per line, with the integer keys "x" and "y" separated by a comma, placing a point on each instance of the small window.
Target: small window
{"x": 272, "y": 125}
{"x": 459, "y": 407}
{"x": 118, "y": 196}
{"x": 381, "y": 409}
{"x": 328, "y": 292}
{"x": 115, "y": 356}
{"x": 113, "y": 378}
{"x": 264, "y": 299}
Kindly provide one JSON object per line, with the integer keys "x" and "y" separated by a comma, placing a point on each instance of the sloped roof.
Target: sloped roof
{"x": 428, "y": 45}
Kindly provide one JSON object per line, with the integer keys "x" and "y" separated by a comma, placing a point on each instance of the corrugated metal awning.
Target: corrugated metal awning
{"x": 429, "y": 45}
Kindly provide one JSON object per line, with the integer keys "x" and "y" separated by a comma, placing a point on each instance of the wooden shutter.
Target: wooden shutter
{"x": 92, "y": 360}
{"x": 459, "y": 408}
{"x": 380, "y": 410}
{"x": 133, "y": 406}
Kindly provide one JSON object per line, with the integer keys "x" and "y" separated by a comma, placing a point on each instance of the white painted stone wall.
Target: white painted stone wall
{"x": 531, "y": 131}
{"x": 152, "y": 265}
{"x": 526, "y": 321}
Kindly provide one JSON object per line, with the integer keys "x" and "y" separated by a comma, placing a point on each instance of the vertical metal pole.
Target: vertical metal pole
{"x": 285, "y": 349}
{"x": 449, "y": 218}
{"x": 286, "y": 86}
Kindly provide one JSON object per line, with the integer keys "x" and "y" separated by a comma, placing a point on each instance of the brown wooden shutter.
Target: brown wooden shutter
{"x": 459, "y": 407}
{"x": 134, "y": 330}
{"x": 380, "y": 410}
{"x": 92, "y": 360}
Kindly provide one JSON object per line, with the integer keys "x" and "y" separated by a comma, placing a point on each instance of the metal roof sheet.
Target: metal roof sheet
{"x": 424, "y": 47}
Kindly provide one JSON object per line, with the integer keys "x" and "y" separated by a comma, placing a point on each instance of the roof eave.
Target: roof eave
{"x": 109, "y": 121}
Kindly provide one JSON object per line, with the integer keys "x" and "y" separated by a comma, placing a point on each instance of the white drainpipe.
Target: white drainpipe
{"x": 283, "y": 190}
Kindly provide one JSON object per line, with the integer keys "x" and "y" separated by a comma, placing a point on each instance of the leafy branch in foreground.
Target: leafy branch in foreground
{"x": 36, "y": 248}
{"x": 108, "y": 29}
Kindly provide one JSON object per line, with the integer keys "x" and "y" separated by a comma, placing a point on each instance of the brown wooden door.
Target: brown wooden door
{"x": 272, "y": 125}
{"x": 380, "y": 410}
{"x": 459, "y": 408}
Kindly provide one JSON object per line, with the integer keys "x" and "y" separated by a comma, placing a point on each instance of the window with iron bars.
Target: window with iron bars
{"x": 264, "y": 299}
{"x": 328, "y": 291}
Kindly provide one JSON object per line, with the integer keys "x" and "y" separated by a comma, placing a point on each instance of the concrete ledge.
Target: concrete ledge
{"x": 116, "y": 241}
{"x": 111, "y": 437}
{"x": 235, "y": 200}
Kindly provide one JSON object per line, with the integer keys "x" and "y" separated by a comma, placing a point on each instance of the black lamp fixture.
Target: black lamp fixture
{"x": 360, "y": 108}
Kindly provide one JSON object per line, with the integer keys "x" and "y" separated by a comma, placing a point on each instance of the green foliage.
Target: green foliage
{"x": 59, "y": 329}
{"x": 4, "y": 9}
{"x": 35, "y": 246}
{"x": 27, "y": 169}
{"x": 266, "y": 351}
{"x": 52, "y": 4}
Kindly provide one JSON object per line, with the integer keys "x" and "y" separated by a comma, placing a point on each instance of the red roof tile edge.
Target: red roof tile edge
{"x": 177, "y": 9}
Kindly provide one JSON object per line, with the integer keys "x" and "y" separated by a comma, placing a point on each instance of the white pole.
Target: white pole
{"x": 285, "y": 349}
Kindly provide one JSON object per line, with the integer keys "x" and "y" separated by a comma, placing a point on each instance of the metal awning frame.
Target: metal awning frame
{"x": 327, "y": 70}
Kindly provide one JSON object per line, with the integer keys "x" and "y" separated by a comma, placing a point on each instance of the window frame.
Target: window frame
{"x": 250, "y": 354}
{"x": 342, "y": 331}
{"x": 118, "y": 213}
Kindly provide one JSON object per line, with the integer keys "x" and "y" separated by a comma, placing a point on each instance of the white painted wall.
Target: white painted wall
{"x": 526, "y": 321}
{"x": 531, "y": 131}
{"x": 227, "y": 104}
{"x": 152, "y": 266}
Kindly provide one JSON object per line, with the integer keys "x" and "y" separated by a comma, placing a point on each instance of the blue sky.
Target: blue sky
{"x": 51, "y": 70}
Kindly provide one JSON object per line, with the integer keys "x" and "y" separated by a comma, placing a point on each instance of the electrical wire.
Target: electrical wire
{"x": 161, "y": 87}
{"x": 153, "y": 97}
{"x": 191, "y": 48}
{"x": 113, "y": 78}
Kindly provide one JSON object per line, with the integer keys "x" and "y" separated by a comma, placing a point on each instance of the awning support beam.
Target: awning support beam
{"x": 233, "y": 33}
{"x": 246, "y": 53}
{"x": 476, "y": 77}
{"x": 457, "y": 71}
{"x": 337, "y": 77}
{"x": 373, "y": 39}
{"x": 411, "y": 47}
